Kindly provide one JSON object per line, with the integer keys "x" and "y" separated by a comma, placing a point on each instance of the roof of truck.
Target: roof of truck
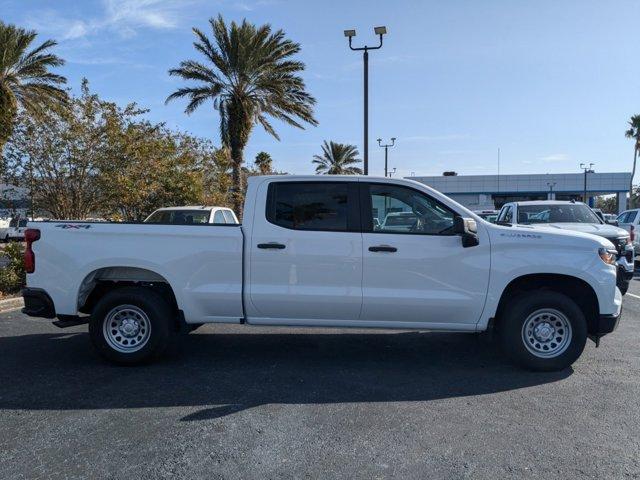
{"x": 192, "y": 207}
{"x": 548, "y": 202}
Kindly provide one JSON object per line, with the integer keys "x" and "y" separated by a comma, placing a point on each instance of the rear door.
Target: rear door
{"x": 306, "y": 254}
{"x": 419, "y": 272}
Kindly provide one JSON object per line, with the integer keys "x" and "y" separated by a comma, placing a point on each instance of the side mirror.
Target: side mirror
{"x": 467, "y": 229}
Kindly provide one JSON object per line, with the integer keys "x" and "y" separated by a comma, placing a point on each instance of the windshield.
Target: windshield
{"x": 179, "y": 217}
{"x": 563, "y": 213}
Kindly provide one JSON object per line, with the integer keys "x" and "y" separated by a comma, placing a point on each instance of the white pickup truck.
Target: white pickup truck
{"x": 315, "y": 252}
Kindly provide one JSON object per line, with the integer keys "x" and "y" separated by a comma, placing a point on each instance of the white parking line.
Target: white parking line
{"x": 632, "y": 295}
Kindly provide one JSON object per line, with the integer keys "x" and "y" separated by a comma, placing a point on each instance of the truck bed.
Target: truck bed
{"x": 203, "y": 263}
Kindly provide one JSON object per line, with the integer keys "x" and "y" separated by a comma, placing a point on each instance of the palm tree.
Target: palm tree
{"x": 250, "y": 77}
{"x": 25, "y": 80}
{"x": 633, "y": 132}
{"x": 337, "y": 159}
{"x": 264, "y": 162}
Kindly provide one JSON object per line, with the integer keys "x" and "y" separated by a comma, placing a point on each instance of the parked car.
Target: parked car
{"x": 4, "y": 228}
{"x": 629, "y": 220}
{"x": 15, "y": 230}
{"x": 193, "y": 215}
{"x": 395, "y": 221}
{"x": 308, "y": 255}
{"x": 574, "y": 216}
{"x": 607, "y": 218}
{"x": 488, "y": 215}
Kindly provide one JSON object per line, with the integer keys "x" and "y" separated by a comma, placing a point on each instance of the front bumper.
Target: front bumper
{"x": 623, "y": 277}
{"x": 607, "y": 324}
{"x": 37, "y": 303}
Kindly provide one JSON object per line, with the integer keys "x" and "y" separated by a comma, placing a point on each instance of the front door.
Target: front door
{"x": 415, "y": 269}
{"x": 306, "y": 254}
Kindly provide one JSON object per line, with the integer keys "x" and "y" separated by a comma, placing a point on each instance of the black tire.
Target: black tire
{"x": 565, "y": 344}
{"x": 142, "y": 303}
{"x": 623, "y": 288}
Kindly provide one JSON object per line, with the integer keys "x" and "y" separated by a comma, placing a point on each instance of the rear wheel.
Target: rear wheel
{"x": 543, "y": 331}
{"x": 130, "y": 325}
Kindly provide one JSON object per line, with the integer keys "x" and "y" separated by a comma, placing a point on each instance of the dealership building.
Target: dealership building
{"x": 480, "y": 192}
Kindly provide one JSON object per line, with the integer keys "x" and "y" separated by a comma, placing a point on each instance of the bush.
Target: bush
{"x": 12, "y": 277}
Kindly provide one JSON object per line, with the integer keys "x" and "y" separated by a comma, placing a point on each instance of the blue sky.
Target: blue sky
{"x": 552, "y": 83}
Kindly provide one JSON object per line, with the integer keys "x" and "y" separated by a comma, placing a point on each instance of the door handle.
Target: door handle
{"x": 383, "y": 248}
{"x": 272, "y": 245}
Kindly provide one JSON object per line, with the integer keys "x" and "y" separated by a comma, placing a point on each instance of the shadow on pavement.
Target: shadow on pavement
{"x": 227, "y": 373}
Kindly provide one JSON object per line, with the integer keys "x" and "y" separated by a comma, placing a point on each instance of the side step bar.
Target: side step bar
{"x": 65, "y": 321}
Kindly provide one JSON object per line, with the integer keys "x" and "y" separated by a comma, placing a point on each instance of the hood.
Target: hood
{"x": 547, "y": 235}
{"x": 602, "y": 230}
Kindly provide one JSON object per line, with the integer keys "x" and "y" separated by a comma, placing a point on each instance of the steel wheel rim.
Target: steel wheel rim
{"x": 126, "y": 328}
{"x": 546, "y": 333}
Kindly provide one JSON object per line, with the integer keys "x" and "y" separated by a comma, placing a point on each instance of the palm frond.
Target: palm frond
{"x": 251, "y": 77}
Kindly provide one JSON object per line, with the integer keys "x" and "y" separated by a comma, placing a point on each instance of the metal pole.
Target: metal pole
{"x": 386, "y": 148}
{"x": 380, "y": 31}
{"x": 585, "y": 186}
{"x": 365, "y": 56}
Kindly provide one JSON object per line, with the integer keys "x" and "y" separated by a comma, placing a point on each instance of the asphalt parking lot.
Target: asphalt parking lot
{"x": 239, "y": 402}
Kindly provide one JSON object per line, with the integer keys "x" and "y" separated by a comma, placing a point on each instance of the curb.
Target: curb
{"x": 11, "y": 304}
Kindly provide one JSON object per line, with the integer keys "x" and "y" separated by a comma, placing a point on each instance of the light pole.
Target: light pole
{"x": 380, "y": 31}
{"x": 392, "y": 172}
{"x": 587, "y": 169}
{"x": 551, "y": 185}
{"x": 386, "y": 150}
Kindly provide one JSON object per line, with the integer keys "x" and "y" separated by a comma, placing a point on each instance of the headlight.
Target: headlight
{"x": 607, "y": 256}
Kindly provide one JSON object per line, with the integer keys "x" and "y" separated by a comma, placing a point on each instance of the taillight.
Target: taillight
{"x": 30, "y": 235}
{"x": 632, "y": 233}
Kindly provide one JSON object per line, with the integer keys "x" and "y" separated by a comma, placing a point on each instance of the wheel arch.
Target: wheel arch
{"x": 100, "y": 281}
{"x": 575, "y": 288}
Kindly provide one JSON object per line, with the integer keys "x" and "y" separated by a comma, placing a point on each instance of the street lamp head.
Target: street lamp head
{"x": 393, "y": 139}
{"x": 380, "y": 30}
{"x": 349, "y": 33}
{"x": 379, "y": 140}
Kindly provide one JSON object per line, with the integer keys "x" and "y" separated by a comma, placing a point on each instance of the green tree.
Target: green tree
{"x": 96, "y": 158}
{"x": 251, "y": 78}
{"x": 264, "y": 163}
{"x": 337, "y": 159}
{"x": 149, "y": 166}
{"x": 633, "y": 133}
{"x": 57, "y": 156}
{"x": 25, "y": 80}
{"x": 606, "y": 203}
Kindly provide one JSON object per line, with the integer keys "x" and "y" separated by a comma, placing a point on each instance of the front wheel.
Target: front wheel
{"x": 130, "y": 325}
{"x": 543, "y": 331}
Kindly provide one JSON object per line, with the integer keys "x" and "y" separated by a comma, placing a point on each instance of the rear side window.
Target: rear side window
{"x": 311, "y": 206}
{"x": 228, "y": 216}
{"x": 631, "y": 217}
{"x": 218, "y": 217}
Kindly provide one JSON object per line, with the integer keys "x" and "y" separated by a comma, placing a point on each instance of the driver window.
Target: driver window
{"x": 397, "y": 209}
